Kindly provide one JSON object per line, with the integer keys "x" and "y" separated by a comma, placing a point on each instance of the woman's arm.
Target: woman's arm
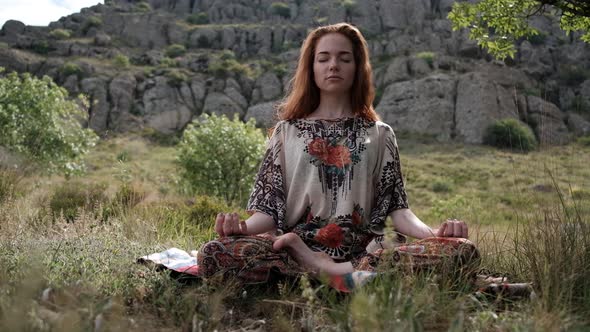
{"x": 407, "y": 223}
{"x": 227, "y": 224}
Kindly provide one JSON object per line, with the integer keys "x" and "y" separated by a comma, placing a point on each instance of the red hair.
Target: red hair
{"x": 304, "y": 95}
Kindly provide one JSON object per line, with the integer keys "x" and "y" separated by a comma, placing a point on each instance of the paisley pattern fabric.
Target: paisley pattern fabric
{"x": 332, "y": 182}
{"x": 249, "y": 259}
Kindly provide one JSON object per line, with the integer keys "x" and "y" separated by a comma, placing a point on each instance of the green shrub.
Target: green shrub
{"x": 72, "y": 196}
{"x": 205, "y": 209}
{"x": 538, "y": 39}
{"x": 175, "y": 50}
{"x": 121, "y": 61}
{"x": 38, "y": 121}
{"x": 427, "y": 56}
{"x": 143, "y": 7}
{"x": 200, "y": 18}
{"x": 167, "y": 62}
{"x": 281, "y": 9}
{"x": 442, "y": 187}
{"x": 510, "y": 134}
{"x": 348, "y": 5}
{"x": 91, "y": 22}
{"x": 70, "y": 68}
{"x": 41, "y": 47}
{"x": 220, "y": 157}
{"x": 176, "y": 78}
{"x": 226, "y": 64}
{"x": 60, "y": 33}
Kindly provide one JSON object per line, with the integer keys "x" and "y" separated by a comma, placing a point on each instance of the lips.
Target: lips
{"x": 334, "y": 78}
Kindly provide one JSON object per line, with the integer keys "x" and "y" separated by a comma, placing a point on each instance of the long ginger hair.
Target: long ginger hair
{"x": 304, "y": 95}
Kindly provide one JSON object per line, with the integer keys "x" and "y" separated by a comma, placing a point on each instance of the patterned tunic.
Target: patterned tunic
{"x": 332, "y": 182}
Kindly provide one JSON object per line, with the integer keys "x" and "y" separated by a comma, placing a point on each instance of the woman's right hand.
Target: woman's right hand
{"x": 227, "y": 224}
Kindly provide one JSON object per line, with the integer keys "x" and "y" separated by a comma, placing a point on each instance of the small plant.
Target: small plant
{"x": 427, "y": 56}
{"x": 70, "y": 68}
{"x": 167, "y": 62}
{"x": 176, "y": 78}
{"x": 200, "y": 18}
{"x": 121, "y": 61}
{"x": 510, "y": 134}
{"x": 538, "y": 39}
{"x": 226, "y": 64}
{"x": 280, "y": 8}
{"x": 91, "y": 22}
{"x": 175, "y": 50}
{"x": 41, "y": 47}
{"x": 205, "y": 209}
{"x": 143, "y": 7}
{"x": 60, "y": 33}
{"x": 72, "y": 197}
{"x": 442, "y": 187}
{"x": 220, "y": 157}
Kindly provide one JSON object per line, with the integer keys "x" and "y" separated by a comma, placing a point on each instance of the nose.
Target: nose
{"x": 333, "y": 65}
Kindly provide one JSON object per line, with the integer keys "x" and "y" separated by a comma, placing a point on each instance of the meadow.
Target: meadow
{"x": 67, "y": 269}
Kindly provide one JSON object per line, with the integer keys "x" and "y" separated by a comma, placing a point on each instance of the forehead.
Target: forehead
{"x": 333, "y": 43}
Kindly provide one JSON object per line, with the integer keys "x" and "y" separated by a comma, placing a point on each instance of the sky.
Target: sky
{"x": 40, "y": 12}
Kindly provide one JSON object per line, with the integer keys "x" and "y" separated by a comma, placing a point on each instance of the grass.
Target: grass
{"x": 527, "y": 213}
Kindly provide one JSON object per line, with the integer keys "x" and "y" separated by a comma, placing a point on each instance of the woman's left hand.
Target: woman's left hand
{"x": 452, "y": 228}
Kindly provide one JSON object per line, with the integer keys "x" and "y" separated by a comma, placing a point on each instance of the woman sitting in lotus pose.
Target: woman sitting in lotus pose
{"x": 331, "y": 174}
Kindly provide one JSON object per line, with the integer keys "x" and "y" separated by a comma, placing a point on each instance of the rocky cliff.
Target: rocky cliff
{"x": 160, "y": 63}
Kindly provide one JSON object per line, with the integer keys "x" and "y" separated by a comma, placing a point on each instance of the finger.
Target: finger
{"x": 457, "y": 229}
{"x": 227, "y": 228}
{"x": 442, "y": 229}
{"x": 235, "y": 223}
{"x": 244, "y": 227}
{"x": 450, "y": 229}
{"x": 464, "y": 230}
{"x": 219, "y": 224}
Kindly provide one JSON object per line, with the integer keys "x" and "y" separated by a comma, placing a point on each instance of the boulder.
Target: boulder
{"x": 20, "y": 61}
{"x": 548, "y": 121}
{"x": 265, "y": 114}
{"x": 480, "y": 102}
{"x": 163, "y": 107}
{"x": 578, "y": 125}
{"x": 420, "y": 106}
{"x": 96, "y": 89}
{"x": 221, "y": 104}
{"x": 267, "y": 87}
{"x": 122, "y": 95}
{"x": 396, "y": 71}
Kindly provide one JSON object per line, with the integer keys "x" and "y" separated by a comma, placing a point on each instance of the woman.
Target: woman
{"x": 331, "y": 174}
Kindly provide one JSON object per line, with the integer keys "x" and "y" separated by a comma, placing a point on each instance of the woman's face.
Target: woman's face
{"x": 333, "y": 64}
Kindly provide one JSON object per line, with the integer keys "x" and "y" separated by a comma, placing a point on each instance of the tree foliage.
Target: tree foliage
{"x": 497, "y": 24}
{"x": 220, "y": 157}
{"x": 38, "y": 121}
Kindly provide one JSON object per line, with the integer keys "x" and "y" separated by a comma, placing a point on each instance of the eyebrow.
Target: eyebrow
{"x": 339, "y": 53}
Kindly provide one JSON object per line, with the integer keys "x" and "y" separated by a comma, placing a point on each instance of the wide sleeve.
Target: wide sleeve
{"x": 389, "y": 190}
{"x": 268, "y": 195}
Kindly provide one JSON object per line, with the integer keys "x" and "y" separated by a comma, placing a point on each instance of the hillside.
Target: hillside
{"x": 160, "y": 63}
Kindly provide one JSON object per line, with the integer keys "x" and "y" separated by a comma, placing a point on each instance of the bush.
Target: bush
{"x": 38, "y": 121}
{"x": 220, "y": 157}
{"x": 70, "y": 68}
{"x": 281, "y": 9}
{"x": 175, "y": 50}
{"x": 72, "y": 197}
{"x": 143, "y": 7}
{"x": 205, "y": 209}
{"x": 91, "y": 22}
{"x": 510, "y": 134}
{"x": 537, "y": 39}
{"x": 200, "y": 18}
{"x": 121, "y": 61}
{"x": 60, "y": 33}
{"x": 226, "y": 64}
{"x": 176, "y": 78}
{"x": 442, "y": 187}
{"x": 585, "y": 140}
{"x": 427, "y": 56}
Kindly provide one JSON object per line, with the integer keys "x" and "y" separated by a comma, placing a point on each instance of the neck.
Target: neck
{"x": 333, "y": 106}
